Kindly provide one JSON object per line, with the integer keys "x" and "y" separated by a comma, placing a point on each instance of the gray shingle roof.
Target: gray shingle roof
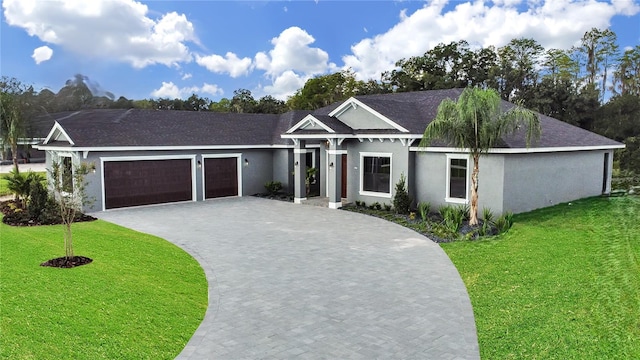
{"x": 135, "y": 127}
{"x": 413, "y": 111}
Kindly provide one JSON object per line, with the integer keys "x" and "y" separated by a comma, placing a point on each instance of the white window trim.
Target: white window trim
{"x": 218, "y": 156}
{"x": 448, "y": 179}
{"x": 57, "y": 157}
{"x": 372, "y": 193}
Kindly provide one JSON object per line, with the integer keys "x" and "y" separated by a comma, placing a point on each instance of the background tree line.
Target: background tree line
{"x": 594, "y": 85}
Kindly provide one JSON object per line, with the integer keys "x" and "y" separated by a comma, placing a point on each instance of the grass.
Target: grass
{"x": 142, "y": 297}
{"x": 563, "y": 283}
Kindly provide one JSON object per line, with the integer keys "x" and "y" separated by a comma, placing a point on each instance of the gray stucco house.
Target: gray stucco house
{"x": 360, "y": 148}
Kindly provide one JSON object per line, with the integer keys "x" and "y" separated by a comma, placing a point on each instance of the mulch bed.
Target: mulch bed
{"x": 64, "y": 262}
{"x": 21, "y": 217}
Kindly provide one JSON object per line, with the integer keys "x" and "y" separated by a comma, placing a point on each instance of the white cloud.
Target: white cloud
{"x": 285, "y": 85}
{"x": 42, "y": 54}
{"x": 291, "y": 52}
{"x": 211, "y": 89}
{"x": 553, "y": 23}
{"x": 291, "y": 62}
{"x": 172, "y": 91}
{"x": 187, "y": 76}
{"x": 111, "y": 29}
{"x": 167, "y": 90}
{"x": 230, "y": 64}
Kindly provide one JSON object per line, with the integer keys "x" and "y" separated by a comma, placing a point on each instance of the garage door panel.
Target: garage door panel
{"x": 145, "y": 182}
{"x": 221, "y": 177}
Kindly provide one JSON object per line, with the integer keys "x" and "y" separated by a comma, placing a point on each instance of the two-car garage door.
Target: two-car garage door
{"x": 145, "y": 182}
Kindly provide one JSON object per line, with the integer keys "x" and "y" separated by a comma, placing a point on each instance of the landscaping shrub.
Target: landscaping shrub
{"x": 19, "y": 184}
{"x": 273, "y": 187}
{"x": 38, "y": 198}
{"x": 401, "y": 199}
{"x": 487, "y": 222}
{"x": 504, "y": 222}
{"x": 424, "y": 208}
{"x": 387, "y": 207}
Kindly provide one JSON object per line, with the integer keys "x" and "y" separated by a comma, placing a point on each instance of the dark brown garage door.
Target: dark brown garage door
{"x": 221, "y": 177}
{"x": 144, "y": 182}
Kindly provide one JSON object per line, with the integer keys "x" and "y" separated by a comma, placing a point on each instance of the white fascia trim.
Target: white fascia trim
{"x": 58, "y": 127}
{"x": 238, "y": 157}
{"x": 315, "y": 136}
{"x": 518, "y": 150}
{"x": 310, "y": 120}
{"x": 165, "y": 148}
{"x": 104, "y": 159}
{"x": 353, "y": 102}
{"x": 387, "y": 136}
{"x": 145, "y": 157}
{"x": 26, "y": 141}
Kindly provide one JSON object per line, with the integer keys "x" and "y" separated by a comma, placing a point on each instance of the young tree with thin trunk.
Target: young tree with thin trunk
{"x": 69, "y": 192}
{"x": 476, "y": 123}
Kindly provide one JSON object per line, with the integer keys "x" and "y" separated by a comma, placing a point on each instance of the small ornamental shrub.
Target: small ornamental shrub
{"x": 273, "y": 187}
{"x": 38, "y": 199}
{"x": 387, "y": 207}
{"x": 504, "y": 222}
{"x": 487, "y": 222}
{"x": 401, "y": 199}
{"x": 424, "y": 208}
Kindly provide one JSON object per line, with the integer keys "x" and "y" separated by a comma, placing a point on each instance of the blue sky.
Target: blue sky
{"x": 150, "y": 49}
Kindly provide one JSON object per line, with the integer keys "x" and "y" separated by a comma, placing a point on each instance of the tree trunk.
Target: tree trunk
{"x": 14, "y": 154}
{"x": 68, "y": 241}
{"x": 473, "y": 210}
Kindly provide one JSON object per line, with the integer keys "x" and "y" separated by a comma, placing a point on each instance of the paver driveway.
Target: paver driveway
{"x": 304, "y": 282}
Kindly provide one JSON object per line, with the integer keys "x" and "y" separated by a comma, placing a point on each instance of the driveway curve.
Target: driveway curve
{"x": 305, "y": 282}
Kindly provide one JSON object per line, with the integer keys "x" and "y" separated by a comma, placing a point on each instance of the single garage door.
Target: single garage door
{"x": 221, "y": 177}
{"x": 145, "y": 182}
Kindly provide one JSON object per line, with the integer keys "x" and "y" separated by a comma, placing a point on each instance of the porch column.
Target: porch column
{"x": 335, "y": 175}
{"x": 300, "y": 172}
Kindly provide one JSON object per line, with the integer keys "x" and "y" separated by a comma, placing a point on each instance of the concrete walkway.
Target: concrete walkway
{"x": 294, "y": 281}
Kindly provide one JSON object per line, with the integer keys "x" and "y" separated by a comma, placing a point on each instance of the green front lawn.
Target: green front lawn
{"x": 142, "y": 297}
{"x": 564, "y": 283}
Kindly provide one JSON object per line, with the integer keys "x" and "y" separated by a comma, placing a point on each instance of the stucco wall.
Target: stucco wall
{"x": 399, "y": 164}
{"x": 283, "y": 168}
{"x": 359, "y": 118}
{"x": 255, "y": 173}
{"x": 431, "y": 176}
{"x": 533, "y": 181}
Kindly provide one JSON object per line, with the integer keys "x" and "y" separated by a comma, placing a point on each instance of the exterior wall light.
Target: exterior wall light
{"x": 199, "y": 164}
{"x": 246, "y": 162}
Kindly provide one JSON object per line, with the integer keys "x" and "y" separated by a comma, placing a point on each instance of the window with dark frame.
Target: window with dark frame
{"x": 376, "y": 175}
{"x": 67, "y": 175}
{"x": 458, "y": 178}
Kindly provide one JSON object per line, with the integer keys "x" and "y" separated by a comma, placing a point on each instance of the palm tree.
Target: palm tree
{"x": 476, "y": 123}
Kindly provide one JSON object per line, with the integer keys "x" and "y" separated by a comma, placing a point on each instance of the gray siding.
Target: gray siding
{"x": 360, "y": 118}
{"x": 534, "y": 181}
{"x": 283, "y": 168}
{"x": 255, "y": 173}
{"x": 518, "y": 182}
{"x": 399, "y": 164}
{"x": 431, "y": 176}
